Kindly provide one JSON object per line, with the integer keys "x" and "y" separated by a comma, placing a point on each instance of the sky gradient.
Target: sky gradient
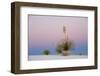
{"x": 44, "y": 32}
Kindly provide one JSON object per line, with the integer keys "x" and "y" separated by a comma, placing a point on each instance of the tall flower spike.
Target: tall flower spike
{"x": 64, "y": 29}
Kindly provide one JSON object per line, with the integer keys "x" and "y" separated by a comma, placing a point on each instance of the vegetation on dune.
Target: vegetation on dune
{"x": 67, "y": 45}
{"x": 46, "y": 52}
{"x": 59, "y": 49}
{"x": 63, "y": 46}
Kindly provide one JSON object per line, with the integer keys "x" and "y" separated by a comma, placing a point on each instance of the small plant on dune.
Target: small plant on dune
{"x": 46, "y": 52}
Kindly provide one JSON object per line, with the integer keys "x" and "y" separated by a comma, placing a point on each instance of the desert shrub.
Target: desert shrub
{"x": 46, "y": 52}
{"x": 65, "y": 45}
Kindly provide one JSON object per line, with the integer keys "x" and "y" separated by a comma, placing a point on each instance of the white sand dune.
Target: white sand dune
{"x": 53, "y": 57}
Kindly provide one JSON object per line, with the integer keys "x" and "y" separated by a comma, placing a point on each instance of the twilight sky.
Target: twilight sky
{"x": 46, "y": 31}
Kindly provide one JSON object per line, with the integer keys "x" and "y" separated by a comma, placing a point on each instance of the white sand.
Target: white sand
{"x": 53, "y": 57}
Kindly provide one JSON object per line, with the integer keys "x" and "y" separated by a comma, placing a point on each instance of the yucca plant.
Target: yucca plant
{"x": 65, "y": 45}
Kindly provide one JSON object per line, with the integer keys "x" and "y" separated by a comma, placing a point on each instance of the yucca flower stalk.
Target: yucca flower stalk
{"x": 65, "y": 33}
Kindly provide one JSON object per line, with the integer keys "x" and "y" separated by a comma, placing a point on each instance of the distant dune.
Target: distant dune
{"x": 54, "y": 57}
